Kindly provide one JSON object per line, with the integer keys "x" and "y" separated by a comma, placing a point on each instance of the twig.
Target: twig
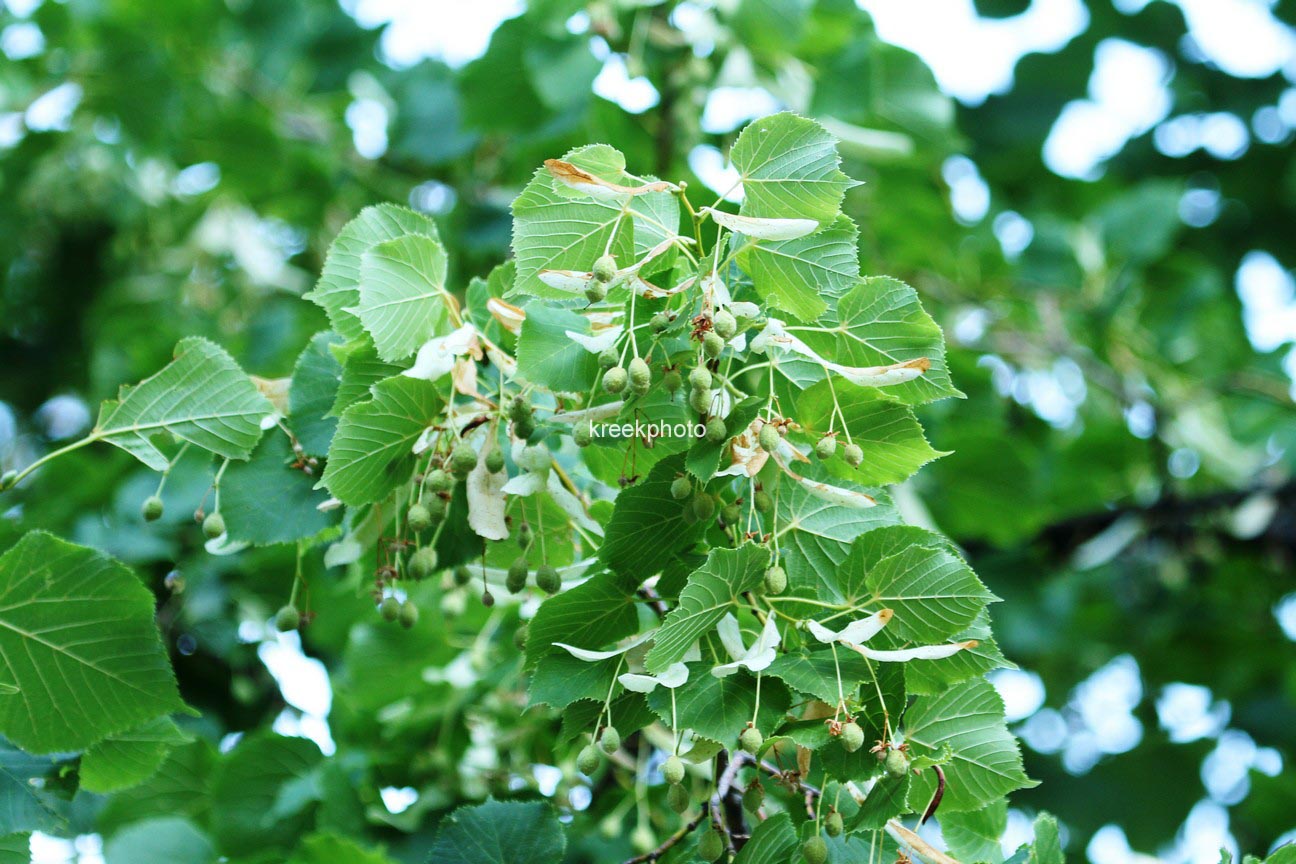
{"x": 670, "y": 841}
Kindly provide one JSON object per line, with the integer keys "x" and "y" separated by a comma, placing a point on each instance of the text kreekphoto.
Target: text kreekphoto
{"x": 639, "y": 429}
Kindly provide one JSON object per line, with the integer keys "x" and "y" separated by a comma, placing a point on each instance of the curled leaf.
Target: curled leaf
{"x": 762, "y": 228}
{"x": 581, "y": 180}
{"x": 509, "y": 316}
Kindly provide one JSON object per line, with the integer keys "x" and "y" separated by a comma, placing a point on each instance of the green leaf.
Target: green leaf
{"x": 892, "y": 439}
{"x": 332, "y": 849}
{"x": 311, "y": 393}
{"x": 181, "y": 787}
{"x": 339, "y": 284}
{"x": 500, "y": 832}
{"x": 592, "y": 615}
{"x": 403, "y": 301}
{"x": 789, "y": 169}
{"x": 372, "y": 451}
{"x": 265, "y": 500}
{"x": 15, "y": 849}
{"x": 648, "y": 529}
{"x": 774, "y": 841}
{"x": 720, "y": 708}
{"x": 986, "y": 764}
{"x": 973, "y": 836}
{"x": 547, "y": 356}
{"x": 815, "y": 672}
{"x": 246, "y": 786}
{"x": 557, "y": 228}
{"x": 23, "y": 804}
{"x": 129, "y": 758}
{"x": 79, "y": 646}
{"x": 361, "y": 371}
{"x": 169, "y": 839}
{"x": 1047, "y": 848}
{"x": 933, "y": 592}
{"x": 629, "y": 713}
{"x": 798, "y": 274}
{"x": 819, "y": 534}
{"x": 560, "y": 679}
{"x": 933, "y": 676}
{"x": 704, "y": 456}
{"x": 711, "y": 591}
{"x": 202, "y": 396}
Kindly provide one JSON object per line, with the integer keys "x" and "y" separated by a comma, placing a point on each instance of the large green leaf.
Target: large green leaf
{"x": 987, "y": 763}
{"x": 403, "y": 301}
{"x": 246, "y": 786}
{"x": 169, "y": 839}
{"x": 24, "y": 805}
{"x": 127, "y": 758}
{"x": 202, "y": 396}
{"x": 15, "y": 849}
{"x": 500, "y": 832}
{"x": 712, "y": 590}
{"x": 592, "y": 615}
{"x": 372, "y": 450}
{"x": 973, "y": 836}
{"x": 339, "y": 284}
{"x": 789, "y": 169}
{"x": 332, "y": 849}
{"x": 547, "y": 356}
{"x": 80, "y": 655}
{"x": 266, "y": 500}
{"x": 361, "y": 370}
{"x": 934, "y": 593}
{"x": 311, "y": 393}
{"x": 718, "y": 709}
{"x": 648, "y": 529}
{"x": 800, "y": 275}
{"x": 773, "y": 842}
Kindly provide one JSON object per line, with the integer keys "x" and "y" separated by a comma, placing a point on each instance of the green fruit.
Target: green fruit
{"x": 516, "y": 579}
{"x": 524, "y": 536}
{"x": 768, "y": 438}
{"x": 826, "y": 447}
{"x": 214, "y": 526}
{"x": 438, "y": 481}
{"x": 495, "y": 460}
{"x": 462, "y": 575}
{"x": 152, "y": 509}
{"x": 587, "y": 761}
{"x": 673, "y": 770}
{"x": 659, "y": 322}
{"x": 548, "y": 580}
{"x": 608, "y": 358}
{"x": 605, "y": 269}
{"x": 488, "y": 599}
{"x": 775, "y": 580}
{"x": 595, "y": 292}
{"x": 700, "y": 378}
{"x": 751, "y": 740}
{"x": 723, "y": 323}
{"x": 423, "y": 563}
{"x": 389, "y": 608}
{"x": 754, "y": 797}
{"x": 614, "y": 379}
{"x": 897, "y": 763}
{"x": 524, "y": 429}
{"x": 610, "y": 741}
{"x": 677, "y": 798}
{"x": 463, "y": 459}
{"x": 712, "y": 344}
{"x": 716, "y": 432}
{"x": 640, "y": 376}
{"x": 852, "y": 736}
{"x": 762, "y": 501}
{"x": 408, "y": 614}
{"x": 731, "y": 514}
{"x": 287, "y": 618}
{"x": 418, "y": 518}
{"x": 520, "y": 636}
{"x": 700, "y": 401}
{"x": 703, "y": 507}
{"x": 681, "y": 488}
{"x": 833, "y": 824}
{"x": 519, "y": 410}
{"x": 853, "y": 455}
{"x": 436, "y": 507}
{"x": 672, "y": 381}
{"x": 582, "y": 434}
{"x": 710, "y": 847}
{"x": 815, "y": 850}
{"x": 7, "y": 479}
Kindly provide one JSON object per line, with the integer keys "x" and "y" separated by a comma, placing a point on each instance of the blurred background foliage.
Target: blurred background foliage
{"x": 1106, "y": 238}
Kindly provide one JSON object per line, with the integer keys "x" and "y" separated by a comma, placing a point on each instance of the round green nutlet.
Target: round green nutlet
{"x": 751, "y": 740}
{"x": 710, "y": 847}
{"x": 463, "y": 459}
{"x": 762, "y": 501}
{"x": 436, "y": 507}
{"x": 700, "y": 401}
{"x": 520, "y": 636}
{"x": 768, "y": 437}
{"x": 614, "y": 379}
{"x": 716, "y": 432}
{"x": 833, "y": 825}
{"x": 852, "y": 736}
{"x": 389, "y": 608}
{"x": 853, "y": 455}
{"x": 213, "y": 526}
{"x": 610, "y": 740}
{"x": 524, "y": 536}
{"x": 673, "y": 381}
{"x": 516, "y": 579}
{"x": 826, "y": 447}
{"x": 438, "y": 481}
{"x": 548, "y": 580}
{"x": 753, "y": 797}
{"x": 596, "y": 291}
{"x": 583, "y": 435}
{"x": 700, "y": 378}
{"x": 408, "y": 615}
{"x": 723, "y": 323}
{"x": 152, "y": 509}
{"x": 605, "y": 269}
{"x": 775, "y": 580}
{"x": 418, "y": 518}
{"x": 681, "y": 488}
{"x": 712, "y": 344}
{"x": 677, "y": 798}
{"x": 659, "y": 322}
{"x": 815, "y": 850}
{"x": 608, "y": 358}
{"x": 8, "y": 479}
{"x": 897, "y": 763}
{"x": 488, "y": 599}
{"x": 462, "y": 575}
{"x": 587, "y": 761}
{"x": 495, "y": 460}
{"x": 287, "y": 618}
{"x": 673, "y": 770}
{"x": 703, "y": 507}
{"x": 423, "y": 563}
{"x": 519, "y": 410}
{"x": 731, "y": 514}
{"x": 524, "y": 429}
{"x": 640, "y": 376}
